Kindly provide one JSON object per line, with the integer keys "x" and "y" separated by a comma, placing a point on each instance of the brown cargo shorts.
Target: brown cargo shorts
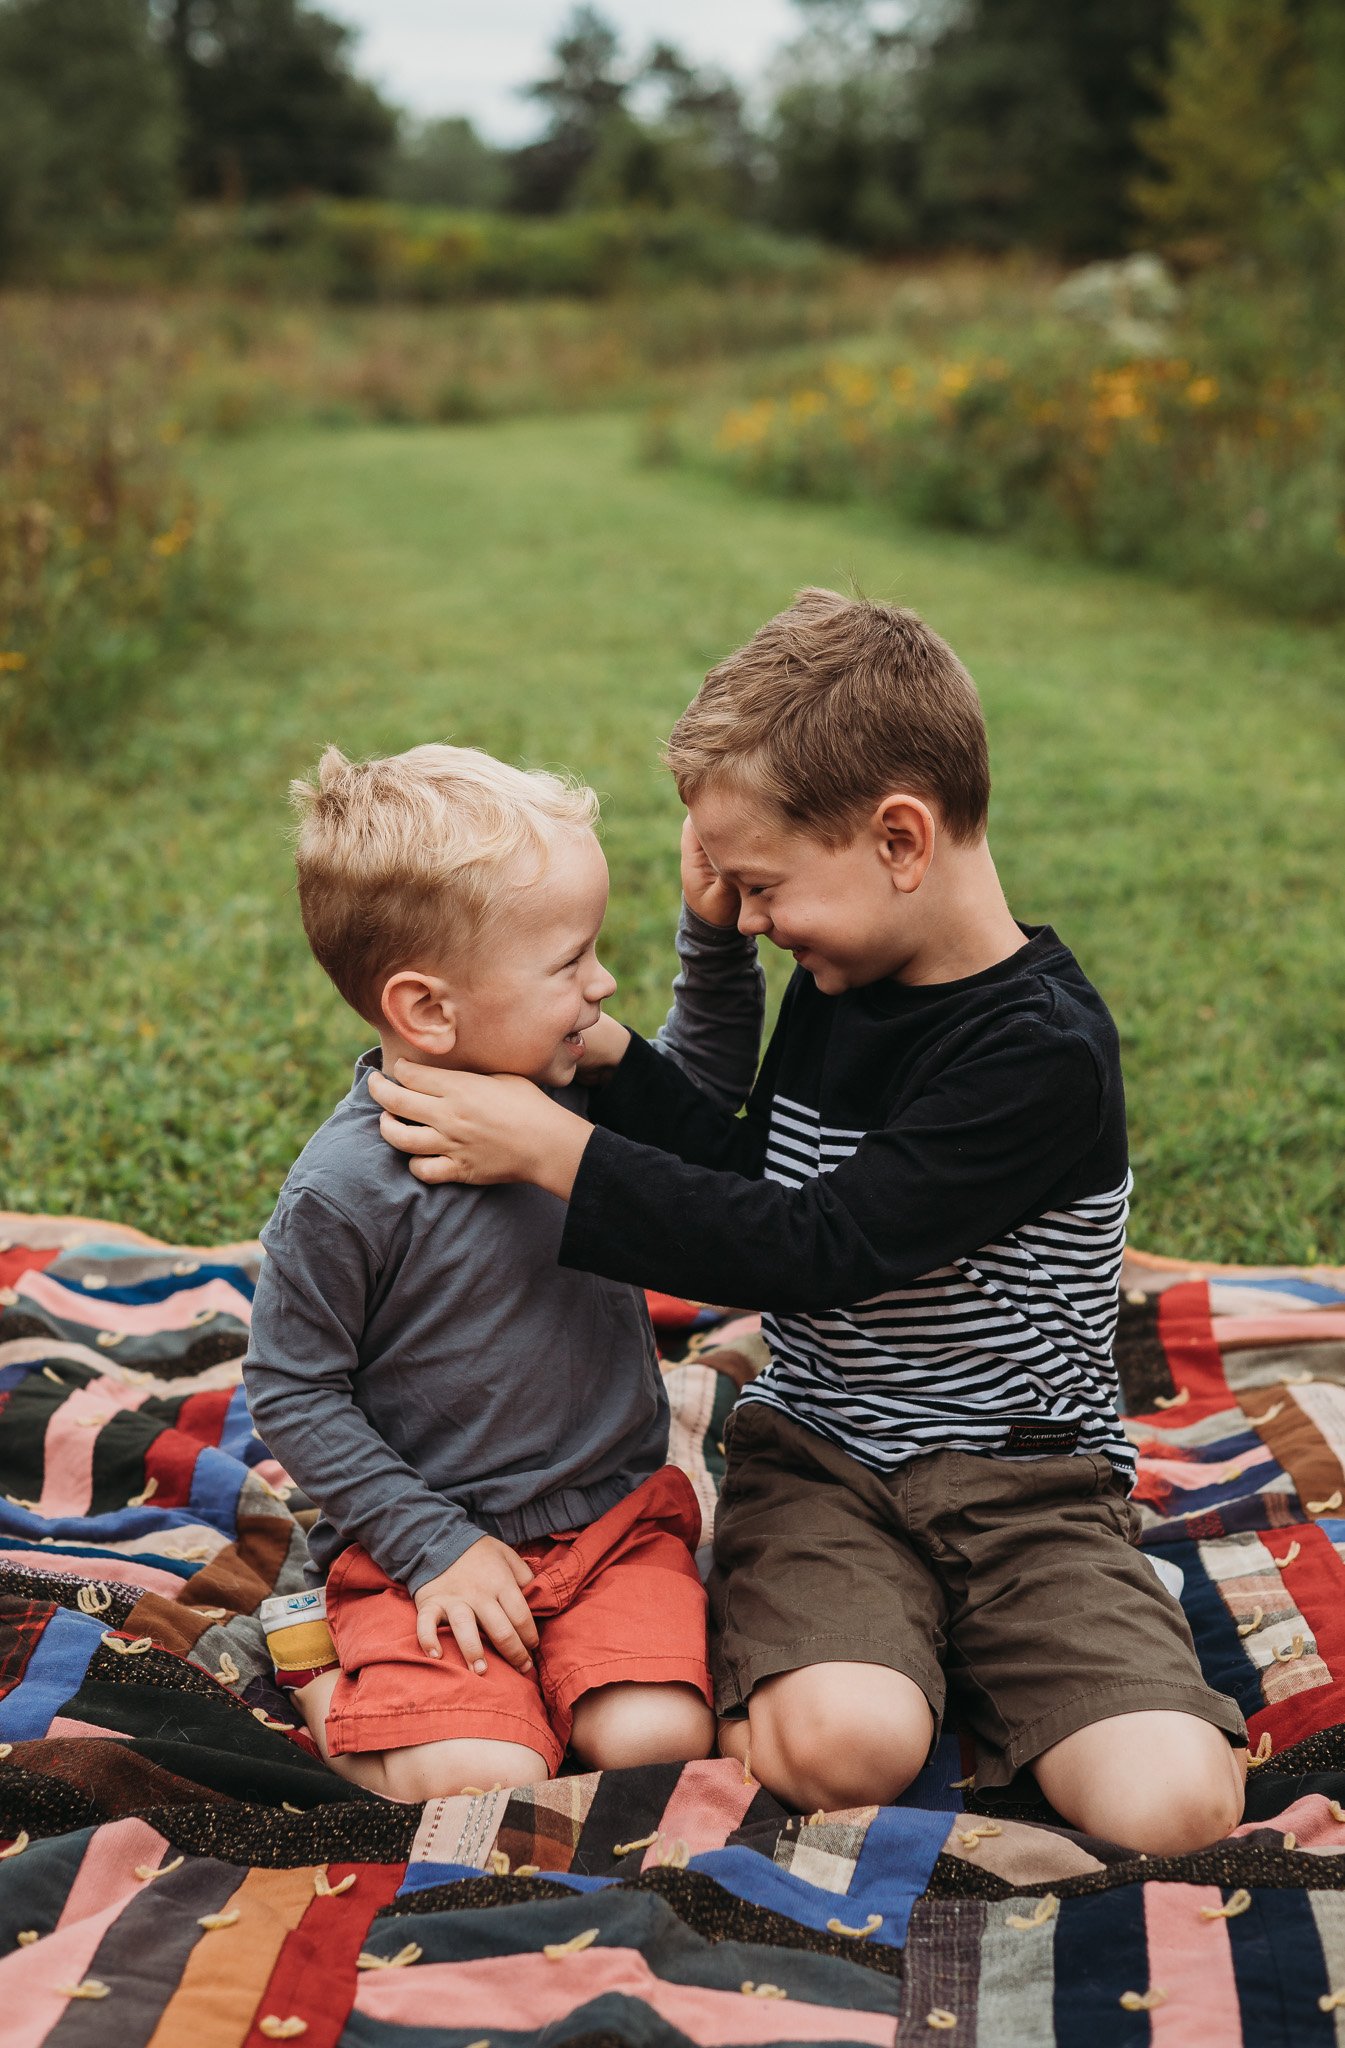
{"x": 1011, "y": 1588}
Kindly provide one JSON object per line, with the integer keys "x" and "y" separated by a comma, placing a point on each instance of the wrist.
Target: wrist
{"x": 562, "y": 1138}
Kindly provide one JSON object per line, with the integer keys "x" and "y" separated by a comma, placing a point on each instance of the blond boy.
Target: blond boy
{"x": 927, "y": 1488}
{"x": 508, "y": 1557}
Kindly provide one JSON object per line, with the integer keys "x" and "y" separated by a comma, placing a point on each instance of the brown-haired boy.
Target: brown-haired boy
{"x": 927, "y": 1486}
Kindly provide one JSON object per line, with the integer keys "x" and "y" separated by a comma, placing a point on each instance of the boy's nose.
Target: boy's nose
{"x": 752, "y": 919}
{"x": 602, "y": 985}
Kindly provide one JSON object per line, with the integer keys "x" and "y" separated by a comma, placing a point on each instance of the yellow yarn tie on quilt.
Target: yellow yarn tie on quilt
{"x": 941, "y": 2019}
{"x": 26, "y": 1936}
{"x": 971, "y": 1838}
{"x": 324, "y": 1887}
{"x": 1249, "y": 1628}
{"x": 555, "y": 1950}
{"x": 871, "y": 1926}
{"x": 16, "y": 1847}
{"x": 1331, "y": 2001}
{"x": 1290, "y": 1554}
{"x": 213, "y": 1921}
{"x": 1047, "y": 1908}
{"x": 403, "y": 1959}
{"x": 499, "y": 1863}
{"x": 620, "y": 1849}
{"x": 138, "y": 1500}
{"x": 1325, "y": 1507}
{"x": 276, "y": 2029}
{"x": 1144, "y": 2001}
{"x": 1263, "y": 1752}
{"x": 1292, "y": 1654}
{"x": 1173, "y": 1400}
{"x": 1230, "y": 1910}
{"x": 147, "y": 1872}
{"x": 94, "y": 1598}
{"x": 751, "y": 1990}
{"x": 91, "y": 1987}
{"x": 125, "y": 1649}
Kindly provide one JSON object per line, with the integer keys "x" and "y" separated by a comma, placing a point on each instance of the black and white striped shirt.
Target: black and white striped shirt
{"x": 927, "y": 1199}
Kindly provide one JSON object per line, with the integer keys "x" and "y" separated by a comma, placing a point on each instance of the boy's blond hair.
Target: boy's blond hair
{"x": 831, "y": 705}
{"x": 400, "y": 861}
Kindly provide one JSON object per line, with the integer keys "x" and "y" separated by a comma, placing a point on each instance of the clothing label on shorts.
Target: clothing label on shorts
{"x": 1042, "y": 1439}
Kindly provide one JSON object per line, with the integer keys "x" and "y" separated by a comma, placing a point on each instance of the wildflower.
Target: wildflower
{"x": 1201, "y": 390}
{"x": 13, "y": 662}
{"x": 805, "y": 405}
{"x": 173, "y": 541}
{"x": 954, "y": 379}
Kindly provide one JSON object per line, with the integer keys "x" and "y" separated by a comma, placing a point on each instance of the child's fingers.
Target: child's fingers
{"x": 467, "y": 1636}
{"x": 438, "y": 1169}
{"x": 505, "y": 1637}
{"x": 428, "y": 1621}
{"x": 410, "y": 1137}
{"x": 519, "y": 1566}
{"x": 518, "y": 1611}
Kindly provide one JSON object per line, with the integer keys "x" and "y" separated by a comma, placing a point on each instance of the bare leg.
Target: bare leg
{"x": 618, "y": 1726}
{"x": 1165, "y": 1783}
{"x": 833, "y": 1735}
{"x": 423, "y": 1770}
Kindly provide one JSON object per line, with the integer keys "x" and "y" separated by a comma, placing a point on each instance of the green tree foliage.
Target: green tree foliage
{"x": 983, "y": 123}
{"x": 270, "y": 103}
{"x": 446, "y": 163}
{"x": 1027, "y": 112}
{"x": 580, "y": 96}
{"x": 843, "y": 136}
{"x": 1248, "y": 151}
{"x": 88, "y": 126}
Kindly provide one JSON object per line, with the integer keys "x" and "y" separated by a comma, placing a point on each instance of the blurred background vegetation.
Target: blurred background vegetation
{"x": 989, "y": 275}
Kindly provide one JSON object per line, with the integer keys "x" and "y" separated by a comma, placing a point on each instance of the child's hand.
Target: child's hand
{"x": 479, "y": 1128}
{"x": 481, "y": 1591}
{"x": 707, "y": 893}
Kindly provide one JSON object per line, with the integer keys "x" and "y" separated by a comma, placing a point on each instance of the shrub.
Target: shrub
{"x": 106, "y": 562}
{"x": 1233, "y": 477}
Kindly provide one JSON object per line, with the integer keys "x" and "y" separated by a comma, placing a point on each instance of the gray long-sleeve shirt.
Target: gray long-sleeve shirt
{"x": 419, "y": 1362}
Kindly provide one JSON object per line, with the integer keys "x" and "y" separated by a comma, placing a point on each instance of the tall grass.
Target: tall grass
{"x": 108, "y": 565}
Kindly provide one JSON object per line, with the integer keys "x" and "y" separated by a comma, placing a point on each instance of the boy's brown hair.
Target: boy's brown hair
{"x": 832, "y": 704}
{"x": 401, "y": 862}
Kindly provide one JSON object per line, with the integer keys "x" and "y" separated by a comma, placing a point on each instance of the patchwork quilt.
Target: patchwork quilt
{"x": 177, "y": 1865}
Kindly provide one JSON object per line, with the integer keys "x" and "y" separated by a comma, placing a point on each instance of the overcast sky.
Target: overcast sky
{"x": 469, "y": 56}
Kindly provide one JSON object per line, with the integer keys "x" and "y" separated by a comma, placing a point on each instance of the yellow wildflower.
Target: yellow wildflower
{"x": 1201, "y": 390}
{"x": 805, "y": 405}
{"x": 954, "y": 378}
{"x": 11, "y": 663}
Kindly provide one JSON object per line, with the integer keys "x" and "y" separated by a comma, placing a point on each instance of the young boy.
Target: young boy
{"x": 484, "y": 1431}
{"x": 927, "y": 1487}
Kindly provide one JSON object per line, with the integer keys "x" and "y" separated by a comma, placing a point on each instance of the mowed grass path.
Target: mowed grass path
{"x": 1168, "y": 794}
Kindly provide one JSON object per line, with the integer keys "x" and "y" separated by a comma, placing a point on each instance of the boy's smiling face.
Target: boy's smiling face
{"x": 845, "y": 913}
{"x": 534, "y": 983}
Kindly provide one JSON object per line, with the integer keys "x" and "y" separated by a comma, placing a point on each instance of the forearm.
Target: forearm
{"x": 365, "y": 1490}
{"x": 651, "y": 1100}
{"x": 641, "y": 1216}
{"x": 713, "y": 1030}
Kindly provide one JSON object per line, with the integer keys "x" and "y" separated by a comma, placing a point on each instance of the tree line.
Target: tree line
{"x": 1208, "y": 127}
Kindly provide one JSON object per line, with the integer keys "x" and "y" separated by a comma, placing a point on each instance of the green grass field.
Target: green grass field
{"x": 1167, "y": 794}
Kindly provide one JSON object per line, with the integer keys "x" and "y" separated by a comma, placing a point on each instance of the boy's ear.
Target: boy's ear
{"x": 419, "y": 1008}
{"x": 905, "y": 831}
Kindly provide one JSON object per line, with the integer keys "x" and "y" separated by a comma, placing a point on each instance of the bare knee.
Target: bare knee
{"x": 1165, "y": 1784}
{"x": 442, "y": 1770}
{"x": 835, "y": 1736}
{"x": 617, "y": 1727}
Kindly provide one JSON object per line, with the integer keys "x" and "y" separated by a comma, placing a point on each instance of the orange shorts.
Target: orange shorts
{"x": 618, "y": 1602}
